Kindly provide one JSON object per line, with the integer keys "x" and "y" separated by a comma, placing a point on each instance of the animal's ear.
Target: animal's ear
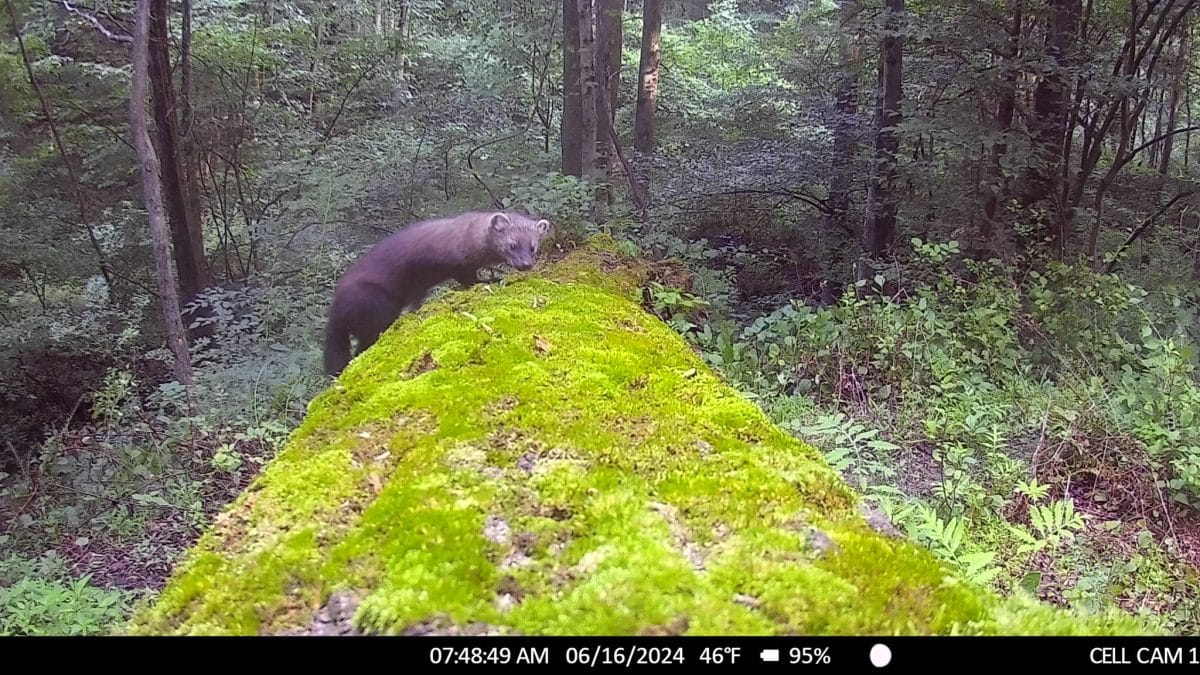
{"x": 543, "y": 226}
{"x": 500, "y": 222}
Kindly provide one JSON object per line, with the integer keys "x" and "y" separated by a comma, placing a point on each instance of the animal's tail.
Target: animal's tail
{"x": 337, "y": 343}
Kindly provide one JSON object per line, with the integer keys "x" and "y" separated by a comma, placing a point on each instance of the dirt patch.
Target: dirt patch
{"x": 443, "y": 626}
{"x": 679, "y": 532}
{"x": 424, "y": 364}
{"x": 142, "y": 557}
{"x": 1110, "y": 478}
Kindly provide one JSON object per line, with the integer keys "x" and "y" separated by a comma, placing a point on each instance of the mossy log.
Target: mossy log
{"x": 544, "y": 457}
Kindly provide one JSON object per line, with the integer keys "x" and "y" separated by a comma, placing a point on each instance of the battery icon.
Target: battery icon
{"x": 769, "y": 655}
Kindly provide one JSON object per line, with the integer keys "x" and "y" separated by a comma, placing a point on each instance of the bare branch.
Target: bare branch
{"x": 1142, "y": 227}
{"x": 115, "y": 37}
{"x": 817, "y": 203}
{"x": 635, "y": 194}
{"x": 471, "y": 162}
{"x": 1158, "y": 139}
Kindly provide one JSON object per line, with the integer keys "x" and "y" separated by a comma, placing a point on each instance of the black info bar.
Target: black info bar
{"x": 1016, "y": 655}
{"x": 829, "y": 654}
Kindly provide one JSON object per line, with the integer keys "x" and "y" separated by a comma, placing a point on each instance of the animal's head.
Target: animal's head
{"x": 517, "y": 238}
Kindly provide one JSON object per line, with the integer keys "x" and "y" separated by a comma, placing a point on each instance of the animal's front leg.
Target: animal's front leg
{"x": 467, "y": 277}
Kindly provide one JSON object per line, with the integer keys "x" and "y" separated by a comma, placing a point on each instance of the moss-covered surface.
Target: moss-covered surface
{"x": 544, "y": 457}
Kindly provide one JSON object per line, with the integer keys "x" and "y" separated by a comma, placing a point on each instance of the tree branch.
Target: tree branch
{"x": 635, "y": 194}
{"x": 471, "y": 162}
{"x": 817, "y": 203}
{"x": 76, "y": 181}
{"x": 1158, "y": 139}
{"x": 115, "y": 37}
{"x": 1142, "y": 227}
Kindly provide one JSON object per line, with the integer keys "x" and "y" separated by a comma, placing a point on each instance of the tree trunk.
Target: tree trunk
{"x": 191, "y": 154}
{"x": 845, "y": 148}
{"x": 647, "y": 100}
{"x": 1178, "y": 81}
{"x": 1005, "y": 110}
{"x": 572, "y": 117}
{"x": 1140, "y": 134}
{"x": 1164, "y": 157}
{"x": 185, "y": 235}
{"x": 1159, "y": 120}
{"x": 1187, "y": 136}
{"x": 880, "y": 228}
{"x": 608, "y": 71}
{"x": 610, "y": 41}
{"x": 151, "y": 187}
{"x": 1049, "y": 122}
{"x": 589, "y": 88}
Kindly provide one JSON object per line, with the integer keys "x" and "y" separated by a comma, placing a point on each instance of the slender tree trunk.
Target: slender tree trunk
{"x": 1187, "y": 136}
{"x": 572, "y": 118}
{"x": 608, "y": 71}
{"x": 1164, "y": 156}
{"x": 191, "y": 154}
{"x": 611, "y": 41}
{"x": 151, "y": 187}
{"x": 1049, "y": 122}
{"x": 590, "y": 89}
{"x": 880, "y": 230}
{"x": 845, "y": 149}
{"x": 844, "y": 128}
{"x": 1178, "y": 81}
{"x": 647, "y": 101}
{"x": 185, "y": 234}
{"x": 1005, "y": 110}
{"x": 1142, "y": 136}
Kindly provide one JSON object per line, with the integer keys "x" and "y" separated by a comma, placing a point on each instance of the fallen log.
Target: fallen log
{"x": 544, "y": 457}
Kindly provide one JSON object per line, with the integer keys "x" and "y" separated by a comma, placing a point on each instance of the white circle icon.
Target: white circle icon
{"x": 881, "y": 655}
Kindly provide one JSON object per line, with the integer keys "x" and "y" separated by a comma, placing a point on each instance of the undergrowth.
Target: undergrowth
{"x": 41, "y": 597}
{"x": 1039, "y": 431}
{"x": 102, "y": 508}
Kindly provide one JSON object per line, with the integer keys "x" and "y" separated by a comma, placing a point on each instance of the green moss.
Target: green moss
{"x": 545, "y": 457}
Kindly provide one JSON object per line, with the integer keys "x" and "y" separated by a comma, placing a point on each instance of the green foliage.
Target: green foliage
{"x": 697, "y": 505}
{"x": 854, "y": 446}
{"x": 674, "y": 306}
{"x": 39, "y": 597}
{"x": 940, "y": 402}
{"x": 715, "y": 73}
{"x": 988, "y": 406}
{"x": 134, "y": 483}
{"x": 561, "y": 199}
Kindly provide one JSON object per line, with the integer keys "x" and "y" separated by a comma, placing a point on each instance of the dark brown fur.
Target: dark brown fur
{"x": 398, "y": 272}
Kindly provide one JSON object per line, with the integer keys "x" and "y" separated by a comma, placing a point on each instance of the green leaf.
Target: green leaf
{"x": 1030, "y": 583}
